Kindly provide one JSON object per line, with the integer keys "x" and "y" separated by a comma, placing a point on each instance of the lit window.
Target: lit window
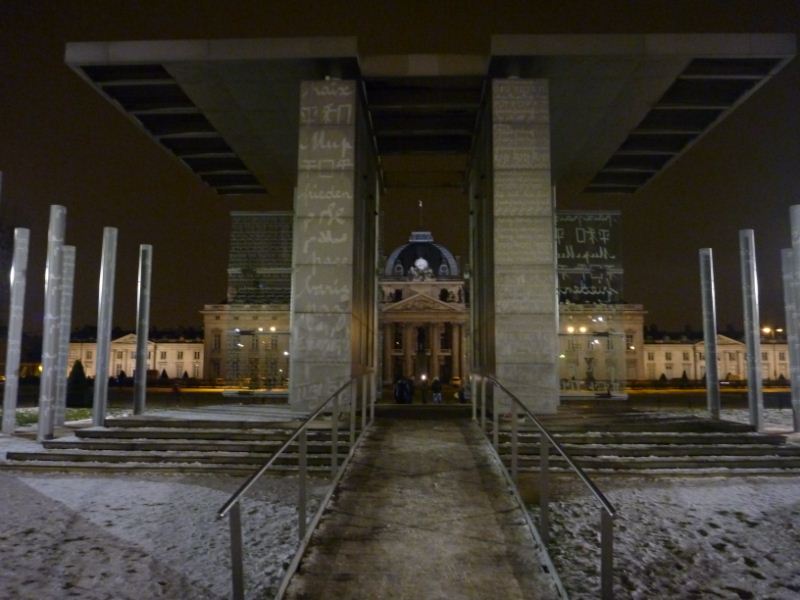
{"x": 197, "y": 355}
{"x": 651, "y": 356}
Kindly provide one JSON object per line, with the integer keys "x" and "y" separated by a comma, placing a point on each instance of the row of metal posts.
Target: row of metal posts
{"x": 59, "y": 284}
{"x": 790, "y": 266}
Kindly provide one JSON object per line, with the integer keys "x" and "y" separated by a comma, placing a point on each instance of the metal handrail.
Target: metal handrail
{"x": 604, "y": 502}
{"x": 232, "y": 507}
{"x": 607, "y": 513}
{"x": 222, "y": 512}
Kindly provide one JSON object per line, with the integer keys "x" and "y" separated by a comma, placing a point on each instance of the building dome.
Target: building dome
{"x": 421, "y": 258}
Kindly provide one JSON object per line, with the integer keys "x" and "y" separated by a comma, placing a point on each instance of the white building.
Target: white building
{"x": 175, "y": 357}
{"x": 673, "y": 358}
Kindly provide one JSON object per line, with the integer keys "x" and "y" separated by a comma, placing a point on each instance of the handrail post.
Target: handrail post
{"x": 237, "y": 568}
{"x": 473, "y": 391}
{"x": 301, "y": 492}
{"x": 513, "y": 413}
{"x": 364, "y": 400}
{"x": 606, "y": 555}
{"x": 495, "y": 423}
{"x": 544, "y": 489}
{"x": 353, "y": 400}
{"x": 483, "y": 405}
{"x": 335, "y": 435}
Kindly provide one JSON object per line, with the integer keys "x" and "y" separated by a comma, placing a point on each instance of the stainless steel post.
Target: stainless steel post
{"x": 301, "y": 492}
{"x": 353, "y": 401}
{"x": 65, "y": 327}
{"x": 335, "y": 435}
{"x": 104, "y": 315}
{"x": 793, "y": 343}
{"x": 544, "y": 489}
{"x": 513, "y": 414}
{"x": 710, "y": 330}
{"x": 473, "y": 394}
{"x": 794, "y": 216}
{"x": 752, "y": 331}
{"x": 495, "y": 421}
{"x": 606, "y": 555}
{"x": 364, "y": 400}
{"x": 19, "y": 269}
{"x": 483, "y": 405}
{"x": 237, "y": 566}
{"x": 142, "y": 328}
{"x": 51, "y": 327}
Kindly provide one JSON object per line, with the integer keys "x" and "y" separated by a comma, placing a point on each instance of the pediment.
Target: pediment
{"x": 422, "y": 303}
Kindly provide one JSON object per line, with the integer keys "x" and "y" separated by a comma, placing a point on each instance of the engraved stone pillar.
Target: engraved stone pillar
{"x": 51, "y": 327}
{"x": 524, "y": 268}
{"x": 105, "y": 308}
{"x": 793, "y": 343}
{"x": 65, "y": 327}
{"x": 142, "y": 328}
{"x": 710, "y": 330}
{"x": 19, "y": 268}
{"x": 752, "y": 326}
{"x": 322, "y": 309}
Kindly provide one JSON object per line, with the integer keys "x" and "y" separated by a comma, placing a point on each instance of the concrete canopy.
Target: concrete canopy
{"x": 622, "y": 106}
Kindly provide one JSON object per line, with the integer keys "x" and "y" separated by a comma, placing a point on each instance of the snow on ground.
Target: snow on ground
{"x": 140, "y": 536}
{"x": 728, "y": 538}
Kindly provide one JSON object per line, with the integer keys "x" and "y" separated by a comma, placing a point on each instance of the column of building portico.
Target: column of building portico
{"x": 524, "y": 270}
{"x": 435, "y": 350}
{"x": 455, "y": 349}
{"x": 408, "y": 341}
{"x": 388, "y": 343}
{"x": 328, "y": 261}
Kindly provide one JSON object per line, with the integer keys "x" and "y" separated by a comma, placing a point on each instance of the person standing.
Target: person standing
{"x": 436, "y": 390}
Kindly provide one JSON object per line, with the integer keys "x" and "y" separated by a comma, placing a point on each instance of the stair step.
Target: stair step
{"x": 161, "y": 457}
{"x": 651, "y": 438}
{"x": 264, "y": 448}
{"x": 633, "y": 450}
{"x": 231, "y": 424}
{"x": 677, "y": 462}
{"x": 214, "y": 433}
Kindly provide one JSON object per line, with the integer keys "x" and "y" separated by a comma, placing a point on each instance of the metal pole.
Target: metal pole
{"x": 606, "y": 555}
{"x": 51, "y": 327}
{"x": 301, "y": 492}
{"x": 67, "y": 284}
{"x": 353, "y": 400}
{"x": 747, "y": 255}
{"x": 710, "y": 330}
{"x": 544, "y": 489}
{"x": 473, "y": 389}
{"x": 793, "y": 343}
{"x": 19, "y": 269}
{"x": 142, "y": 328}
{"x": 335, "y": 436}
{"x": 513, "y": 413}
{"x": 495, "y": 422}
{"x": 237, "y": 568}
{"x": 483, "y": 405}
{"x": 794, "y": 217}
{"x": 104, "y": 314}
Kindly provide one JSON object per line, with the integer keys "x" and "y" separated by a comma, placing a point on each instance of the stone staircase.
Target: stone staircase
{"x": 183, "y": 445}
{"x": 652, "y": 443}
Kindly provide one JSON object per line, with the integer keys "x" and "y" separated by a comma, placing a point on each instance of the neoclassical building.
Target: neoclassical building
{"x": 423, "y": 313}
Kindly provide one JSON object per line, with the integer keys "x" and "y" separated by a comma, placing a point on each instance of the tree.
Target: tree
{"x": 163, "y": 378}
{"x": 78, "y": 386}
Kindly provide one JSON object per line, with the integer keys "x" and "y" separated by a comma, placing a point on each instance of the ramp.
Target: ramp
{"x": 423, "y": 511}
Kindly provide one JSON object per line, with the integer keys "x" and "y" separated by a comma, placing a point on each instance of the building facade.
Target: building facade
{"x": 176, "y": 358}
{"x": 423, "y": 313}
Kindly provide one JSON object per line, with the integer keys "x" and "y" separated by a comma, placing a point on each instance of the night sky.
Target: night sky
{"x": 61, "y": 143}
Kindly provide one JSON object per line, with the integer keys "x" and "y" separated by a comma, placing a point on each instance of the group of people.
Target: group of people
{"x": 404, "y": 391}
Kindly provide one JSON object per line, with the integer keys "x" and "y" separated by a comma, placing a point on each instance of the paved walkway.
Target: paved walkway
{"x": 422, "y": 513}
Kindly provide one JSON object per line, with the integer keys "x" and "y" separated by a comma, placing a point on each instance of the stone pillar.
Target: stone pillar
{"x": 435, "y": 329}
{"x": 524, "y": 268}
{"x": 388, "y": 345}
{"x": 51, "y": 327}
{"x": 409, "y": 341}
{"x": 19, "y": 269}
{"x": 455, "y": 349}
{"x": 65, "y": 328}
{"x": 323, "y": 254}
{"x": 793, "y": 343}
{"x": 710, "y": 330}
